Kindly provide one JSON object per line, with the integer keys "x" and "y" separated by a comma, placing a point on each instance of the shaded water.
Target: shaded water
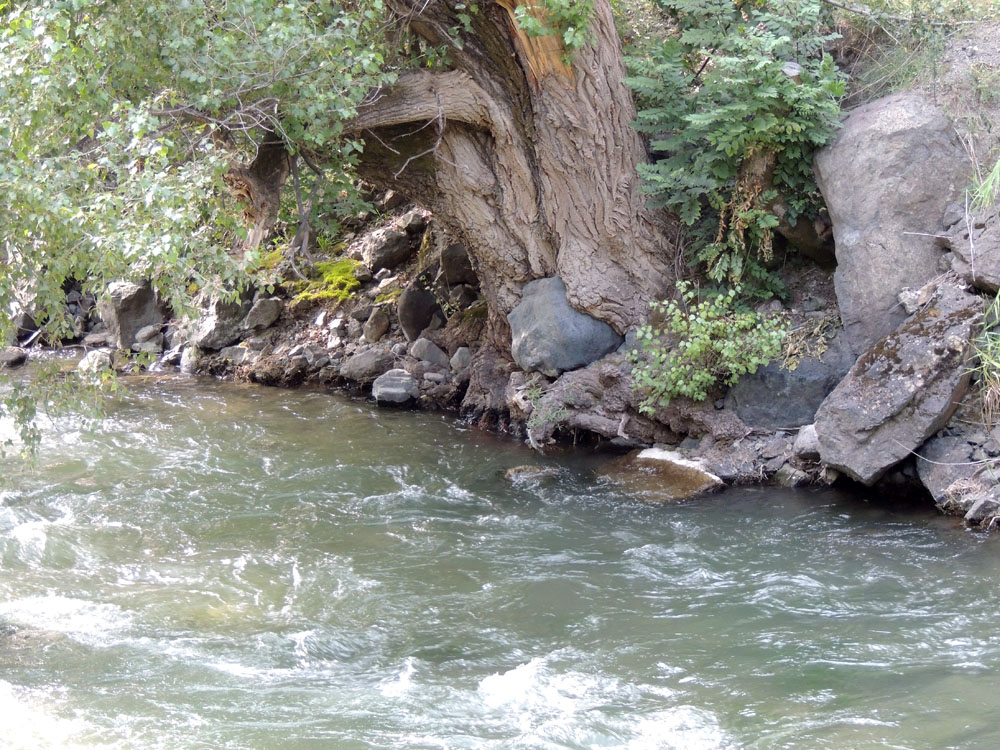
{"x": 233, "y": 567}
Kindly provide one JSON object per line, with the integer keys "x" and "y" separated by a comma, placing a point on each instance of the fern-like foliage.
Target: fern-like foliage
{"x": 736, "y": 103}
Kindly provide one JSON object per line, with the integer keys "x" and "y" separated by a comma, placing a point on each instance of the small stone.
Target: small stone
{"x": 461, "y": 359}
{"x": 376, "y": 325}
{"x": 362, "y": 313}
{"x": 789, "y": 476}
{"x": 264, "y": 313}
{"x": 528, "y": 473}
{"x": 399, "y": 349}
{"x": 388, "y": 281}
{"x": 362, "y": 273}
{"x": 806, "y": 443}
{"x": 94, "y": 340}
{"x": 435, "y": 377}
{"x": 320, "y": 320}
{"x": 424, "y": 349}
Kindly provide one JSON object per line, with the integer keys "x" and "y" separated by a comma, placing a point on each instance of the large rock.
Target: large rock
{"x": 943, "y": 461}
{"x": 128, "y": 308}
{"x": 549, "y": 336}
{"x": 415, "y": 310}
{"x": 385, "y": 248}
{"x": 264, "y": 313}
{"x": 902, "y": 390}
{"x": 395, "y": 387}
{"x": 975, "y": 245}
{"x": 888, "y": 179}
{"x": 774, "y": 398}
{"x": 367, "y": 365}
{"x": 221, "y": 326}
{"x": 427, "y": 351}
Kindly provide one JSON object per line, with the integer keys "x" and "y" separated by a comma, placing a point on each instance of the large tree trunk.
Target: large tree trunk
{"x": 530, "y": 161}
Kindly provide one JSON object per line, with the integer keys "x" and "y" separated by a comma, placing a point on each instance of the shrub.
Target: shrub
{"x": 736, "y": 103}
{"x": 701, "y": 344}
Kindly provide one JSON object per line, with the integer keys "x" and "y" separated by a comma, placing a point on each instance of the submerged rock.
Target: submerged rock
{"x": 902, "y": 391}
{"x": 530, "y": 473}
{"x": 660, "y": 475}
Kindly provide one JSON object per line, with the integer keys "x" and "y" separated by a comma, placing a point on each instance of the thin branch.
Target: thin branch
{"x": 868, "y": 13}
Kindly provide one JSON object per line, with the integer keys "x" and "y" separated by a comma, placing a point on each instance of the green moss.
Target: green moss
{"x": 388, "y": 297}
{"x": 332, "y": 280}
{"x": 269, "y": 261}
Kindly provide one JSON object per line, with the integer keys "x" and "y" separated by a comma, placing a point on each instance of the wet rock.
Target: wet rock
{"x": 774, "y": 397}
{"x": 94, "y": 363}
{"x": 385, "y": 248}
{"x": 901, "y": 391}
{"x": 789, "y": 476}
{"x": 396, "y": 386}
{"x": 376, "y": 325}
{"x": 427, "y": 351}
{"x": 12, "y": 356}
{"x": 415, "y": 309}
{"x": 129, "y": 308}
{"x": 549, "y": 336}
{"x": 888, "y": 179}
{"x": 661, "y": 475}
{"x": 530, "y": 473}
{"x": 264, "y": 313}
{"x": 367, "y": 365}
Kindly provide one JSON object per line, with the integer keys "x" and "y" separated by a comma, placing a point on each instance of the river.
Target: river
{"x": 223, "y": 566}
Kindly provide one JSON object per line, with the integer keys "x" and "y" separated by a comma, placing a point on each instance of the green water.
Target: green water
{"x": 234, "y": 567}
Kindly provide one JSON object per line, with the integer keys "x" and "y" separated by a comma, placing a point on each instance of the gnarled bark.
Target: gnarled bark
{"x": 529, "y": 160}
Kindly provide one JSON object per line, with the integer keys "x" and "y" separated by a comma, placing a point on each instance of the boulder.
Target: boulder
{"x": 888, "y": 179}
{"x": 264, "y": 313}
{"x": 415, "y": 310}
{"x": 221, "y": 326}
{"x": 806, "y": 443}
{"x": 395, "y": 387}
{"x": 235, "y": 355}
{"x": 385, "y": 248}
{"x": 428, "y": 351}
{"x": 943, "y": 461}
{"x": 975, "y": 247}
{"x": 128, "y": 308}
{"x": 147, "y": 333}
{"x": 367, "y": 365}
{"x": 549, "y": 336}
{"x": 12, "y": 356}
{"x": 774, "y": 398}
{"x": 456, "y": 268}
{"x": 191, "y": 359}
{"x": 24, "y": 324}
{"x": 901, "y": 391}
{"x": 376, "y": 325}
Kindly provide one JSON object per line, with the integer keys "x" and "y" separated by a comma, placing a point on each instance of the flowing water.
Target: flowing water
{"x": 219, "y": 566}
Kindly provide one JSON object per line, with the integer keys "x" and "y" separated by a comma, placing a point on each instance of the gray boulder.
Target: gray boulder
{"x": 943, "y": 461}
{"x": 395, "y": 387}
{"x": 191, "y": 359}
{"x": 888, "y": 179}
{"x": 774, "y": 398}
{"x": 385, "y": 248}
{"x": 128, "y": 308}
{"x": 902, "y": 390}
{"x": 806, "y": 443}
{"x": 221, "y": 326}
{"x": 94, "y": 363}
{"x": 264, "y": 313}
{"x": 975, "y": 247}
{"x": 367, "y": 365}
{"x": 549, "y": 336}
{"x": 415, "y": 310}
{"x": 428, "y": 351}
